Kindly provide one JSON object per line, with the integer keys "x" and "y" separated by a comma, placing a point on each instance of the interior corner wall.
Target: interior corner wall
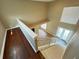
{"x": 52, "y": 27}
{"x": 2, "y": 32}
{"x": 54, "y": 15}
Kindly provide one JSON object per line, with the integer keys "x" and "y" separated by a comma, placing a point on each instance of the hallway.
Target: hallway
{"x": 17, "y": 46}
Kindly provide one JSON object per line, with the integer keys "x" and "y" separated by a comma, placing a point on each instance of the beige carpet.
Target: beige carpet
{"x": 53, "y": 52}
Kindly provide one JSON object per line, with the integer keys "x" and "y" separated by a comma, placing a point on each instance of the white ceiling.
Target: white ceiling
{"x": 70, "y": 15}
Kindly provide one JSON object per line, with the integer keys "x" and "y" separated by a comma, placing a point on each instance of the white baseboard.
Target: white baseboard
{"x": 12, "y": 28}
{"x": 3, "y": 45}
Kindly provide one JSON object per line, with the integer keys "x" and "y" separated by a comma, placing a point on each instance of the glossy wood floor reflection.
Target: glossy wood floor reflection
{"x": 17, "y": 46}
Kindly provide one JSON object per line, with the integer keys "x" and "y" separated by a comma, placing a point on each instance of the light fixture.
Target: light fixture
{"x": 11, "y": 32}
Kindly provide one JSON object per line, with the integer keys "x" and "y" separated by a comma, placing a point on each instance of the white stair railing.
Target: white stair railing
{"x": 29, "y": 34}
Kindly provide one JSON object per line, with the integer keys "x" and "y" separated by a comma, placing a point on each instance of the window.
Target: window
{"x": 63, "y": 33}
{"x": 44, "y": 25}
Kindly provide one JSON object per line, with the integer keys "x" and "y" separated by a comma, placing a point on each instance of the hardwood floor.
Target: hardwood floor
{"x": 17, "y": 46}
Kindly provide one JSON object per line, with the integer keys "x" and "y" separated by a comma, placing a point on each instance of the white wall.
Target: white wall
{"x": 72, "y": 51}
{"x": 27, "y": 10}
{"x": 2, "y": 32}
{"x": 54, "y": 14}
